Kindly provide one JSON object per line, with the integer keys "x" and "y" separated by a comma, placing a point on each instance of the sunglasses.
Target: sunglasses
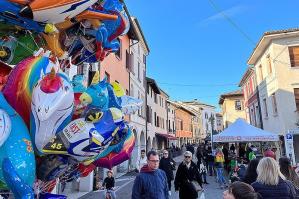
{"x": 165, "y": 153}
{"x": 187, "y": 156}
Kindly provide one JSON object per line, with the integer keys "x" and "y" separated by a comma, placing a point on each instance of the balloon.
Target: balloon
{"x": 83, "y": 140}
{"x": 4, "y": 71}
{"x": 118, "y": 89}
{"x": 54, "y": 45}
{"x": 86, "y": 170}
{"x": 116, "y": 158}
{"x": 5, "y": 126}
{"x": 17, "y": 156}
{"x": 51, "y": 107}
{"x": 51, "y": 196}
{"x": 20, "y": 83}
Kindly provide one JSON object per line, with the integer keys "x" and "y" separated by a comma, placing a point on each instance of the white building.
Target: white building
{"x": 219, "y": 122}
{"x": 208, "y": 117}
{"x": 275, "y": 60}
{"x": 138, "y": 51}
{"x": 171, "y": 123}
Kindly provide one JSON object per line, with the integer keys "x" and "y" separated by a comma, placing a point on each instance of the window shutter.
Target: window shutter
{"x": 294, "y": 55}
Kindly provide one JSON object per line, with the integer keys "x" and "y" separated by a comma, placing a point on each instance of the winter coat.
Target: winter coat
{"x": 150, "y": 184}
{"x": 167, "y": 165}
{"x": 183, "y": 179}
{"x": 284, "y": 190}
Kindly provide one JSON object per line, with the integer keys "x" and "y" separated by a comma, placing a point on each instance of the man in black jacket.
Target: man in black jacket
{"x": 167, "y": 164}
{"x": 185, "y": 176}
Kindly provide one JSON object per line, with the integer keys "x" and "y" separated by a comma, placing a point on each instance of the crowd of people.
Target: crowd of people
{"x": 260, "y": 178}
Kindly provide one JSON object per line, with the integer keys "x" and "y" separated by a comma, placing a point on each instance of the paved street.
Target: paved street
{"x": 125, "y": 183}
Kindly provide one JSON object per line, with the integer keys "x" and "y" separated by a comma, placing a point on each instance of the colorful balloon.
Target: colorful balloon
{"x": 116, "y": 158}
{"x": 17, "y": 156}
{"x": 52, "y": 106}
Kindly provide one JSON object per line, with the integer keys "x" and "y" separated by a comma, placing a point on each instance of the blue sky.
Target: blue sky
{"x": 198, "y": 54}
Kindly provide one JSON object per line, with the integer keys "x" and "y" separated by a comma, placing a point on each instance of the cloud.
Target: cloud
{"x": 231, "y": 12}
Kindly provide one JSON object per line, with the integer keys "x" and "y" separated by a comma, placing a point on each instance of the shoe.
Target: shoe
{"x": 169, "y": 193}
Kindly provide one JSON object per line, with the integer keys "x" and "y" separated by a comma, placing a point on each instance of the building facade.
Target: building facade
{"x": 136, "y": 55}
{"x": 251, "y": 98}
{"x": 219, "y": 122}
{"x": 207, "y": 115}
{"x": 171, "y": 129}
{"x": 275, "y": 60}
{"x": 232, "y": 106}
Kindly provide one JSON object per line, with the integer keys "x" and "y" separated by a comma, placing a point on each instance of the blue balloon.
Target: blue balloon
{"x": 17, "y": 158}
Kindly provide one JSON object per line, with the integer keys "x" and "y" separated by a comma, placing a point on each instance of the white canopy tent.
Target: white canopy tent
{"x": 241, "y": 131}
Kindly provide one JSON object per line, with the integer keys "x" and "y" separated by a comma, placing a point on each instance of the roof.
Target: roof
{"x": 162, "y": 91}
{"x": 248, "y": 72}
{"x": 266, "y": 39}
{"x": 230, "y": 94}
{"x": 132, "y": 33}
{"x": 153, "y": 84}
{"x": 140, "y": 34}
{"x": 180, "y": 105}
{"x": 198, "y": 103}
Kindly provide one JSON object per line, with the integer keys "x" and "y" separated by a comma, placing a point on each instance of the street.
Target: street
{"x": 125, "y": 183}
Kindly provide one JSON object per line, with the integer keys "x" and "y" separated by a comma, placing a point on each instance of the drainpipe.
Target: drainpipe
{"x": 260, "y": 109}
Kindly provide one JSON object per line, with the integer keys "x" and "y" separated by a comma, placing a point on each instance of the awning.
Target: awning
{"x": 167, "y": 136}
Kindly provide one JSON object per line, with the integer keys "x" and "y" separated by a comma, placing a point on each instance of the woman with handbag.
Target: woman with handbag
{"x": 167, "y": 164}
{"x": 187, "y": 177}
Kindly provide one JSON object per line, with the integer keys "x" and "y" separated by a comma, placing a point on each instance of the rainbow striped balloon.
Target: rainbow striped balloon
{"x": 20, "y": 83}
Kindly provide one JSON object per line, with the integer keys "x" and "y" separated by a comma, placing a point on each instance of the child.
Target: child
{"x": 109, "y": 184}
{"x": 203, "y": 172}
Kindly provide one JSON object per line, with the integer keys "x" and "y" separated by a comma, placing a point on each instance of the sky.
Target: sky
{"x": 200, "y": 49}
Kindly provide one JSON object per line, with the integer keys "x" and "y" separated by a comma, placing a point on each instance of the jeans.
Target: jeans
{"x": 204, "y": 176}
{"x": 112, "y": 193}
{"x": 169, "y": 185}
{"x": 220, "y": 177}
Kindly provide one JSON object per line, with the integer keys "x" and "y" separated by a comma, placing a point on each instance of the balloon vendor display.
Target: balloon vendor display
{"x": 56, "y": 128}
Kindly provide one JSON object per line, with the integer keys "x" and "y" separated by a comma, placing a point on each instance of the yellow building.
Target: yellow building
{"x": 232, "y": 105}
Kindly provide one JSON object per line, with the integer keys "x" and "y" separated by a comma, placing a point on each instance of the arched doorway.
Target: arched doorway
{"x": 135, "y": 151}
{"x": 142, "y": 140}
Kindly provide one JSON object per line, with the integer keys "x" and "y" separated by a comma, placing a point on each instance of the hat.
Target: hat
{"x": 188, "y": 153}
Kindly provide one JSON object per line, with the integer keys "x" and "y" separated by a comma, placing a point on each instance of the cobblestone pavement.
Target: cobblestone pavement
{"x": 124, "y": 186}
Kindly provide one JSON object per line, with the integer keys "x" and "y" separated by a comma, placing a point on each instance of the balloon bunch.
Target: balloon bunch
{"x": 52, "y": 127}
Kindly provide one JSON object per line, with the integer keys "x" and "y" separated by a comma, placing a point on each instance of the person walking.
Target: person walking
{"x": 185, "y": 176}
{"x": 240, "y": 190}
{"x": 141, "y": 161}
{"x": 167, "y": 164}
{"x": 210, "y": 160}
{"x": 151, "y": 182}
{"x": 203, "y": 172}
{"x": 219, "y": 165}
{"x": 271, "y": 183}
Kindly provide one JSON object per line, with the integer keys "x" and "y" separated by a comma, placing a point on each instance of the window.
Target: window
{"x": 156, "y": 98}
{"x": 173, "y": 128}
{"x": 139, "y": 110}
{"x": 294, "y": 55}
{"x": 138, "y": 72}
{"x": 158, "y": 121}
{"x": 138, "y": 49}
{"x": 261, "y": 72}
{"x": 265, "y": 107}
{"x": 132, "y": 90}
{"x": 144, "y": 59}
{"x": 108, "y": 76}
{"x": 129, "y": 60}
{"x": 274, "y": 104}
{"x": 182, "y": 125}
{"x": 155, "y": 116}
{"x": 149, "y": 114}
{"x": 269, "y": 64}
{"x": 296, "y": 93}
{"x": 238, "y": 105}
{"x": 118, "y": 53}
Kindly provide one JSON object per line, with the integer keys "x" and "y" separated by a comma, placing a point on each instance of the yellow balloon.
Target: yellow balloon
{"x": 118, "y": 89}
